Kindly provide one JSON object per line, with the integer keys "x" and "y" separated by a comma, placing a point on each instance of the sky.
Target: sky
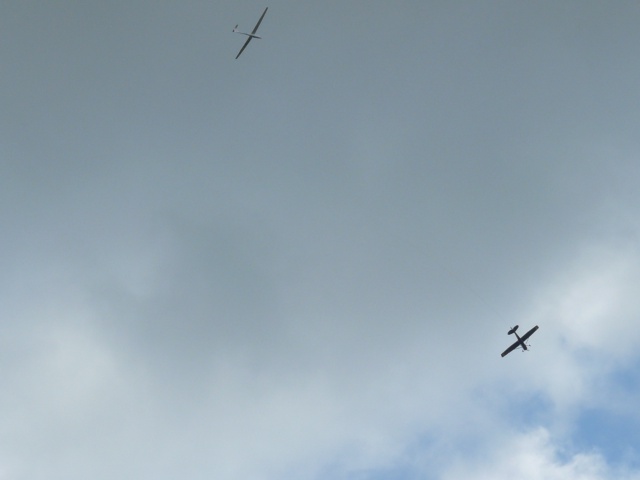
{"x": 303, "y": 263}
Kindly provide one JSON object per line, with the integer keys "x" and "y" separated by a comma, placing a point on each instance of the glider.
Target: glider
{"x": 251, "y": 35}
{"x": 520, "y": 341}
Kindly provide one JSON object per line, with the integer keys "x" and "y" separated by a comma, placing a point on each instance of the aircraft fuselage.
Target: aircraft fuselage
{"x": 248, "y": 35}
{"x": 522, "y": 344}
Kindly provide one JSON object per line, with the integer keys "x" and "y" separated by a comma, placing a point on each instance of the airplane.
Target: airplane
{"x": 251, "y": 35}
{"x": 520, "y": 341}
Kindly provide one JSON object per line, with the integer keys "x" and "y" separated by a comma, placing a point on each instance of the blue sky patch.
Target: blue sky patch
{"x": 627, "y": 380}
{"x": 615, "y": 436}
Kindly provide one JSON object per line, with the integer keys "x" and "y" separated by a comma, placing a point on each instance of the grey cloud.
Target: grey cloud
{"x": 308, "y": 257}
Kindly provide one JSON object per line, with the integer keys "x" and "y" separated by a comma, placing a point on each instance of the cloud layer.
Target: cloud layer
{"x": 303, "y": 264}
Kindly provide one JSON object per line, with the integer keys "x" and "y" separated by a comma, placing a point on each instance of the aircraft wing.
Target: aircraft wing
{"x": 255, "y": 29}
{"x": 529, "y": 333}
{"x": 510, "y": 349}
{"x": 243, "y": 47}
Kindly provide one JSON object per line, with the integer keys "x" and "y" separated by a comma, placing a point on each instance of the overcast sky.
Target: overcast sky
{"x": 303, "y": 264}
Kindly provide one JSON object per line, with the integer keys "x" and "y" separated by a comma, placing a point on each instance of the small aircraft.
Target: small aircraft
{"x": 251, "y": 35}
{"x": 520, "y": 341}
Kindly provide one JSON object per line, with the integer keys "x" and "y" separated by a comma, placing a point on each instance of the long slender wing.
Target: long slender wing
{"x": 529, "y": 333}
{"x": 510, "y": 349}
{"x": 243, "y": 47}
{"x": 255, "y": 29}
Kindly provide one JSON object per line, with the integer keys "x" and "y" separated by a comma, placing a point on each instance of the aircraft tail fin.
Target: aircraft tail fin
{"x": 235, "y": 28}
{"x": 513, "y": 330}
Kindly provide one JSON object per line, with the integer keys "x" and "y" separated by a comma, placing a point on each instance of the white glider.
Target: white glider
{"x": 251, "y": 35}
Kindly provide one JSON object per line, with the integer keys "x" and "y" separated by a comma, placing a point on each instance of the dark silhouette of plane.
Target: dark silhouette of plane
{"x": 251, "y": 35}
{"x": 520, "y": 342}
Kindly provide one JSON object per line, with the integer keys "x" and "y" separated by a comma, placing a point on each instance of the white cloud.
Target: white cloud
{"x": 597, "y": 304}
{"x": 535, "y": 456}
{"x": 587, "y": 310}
